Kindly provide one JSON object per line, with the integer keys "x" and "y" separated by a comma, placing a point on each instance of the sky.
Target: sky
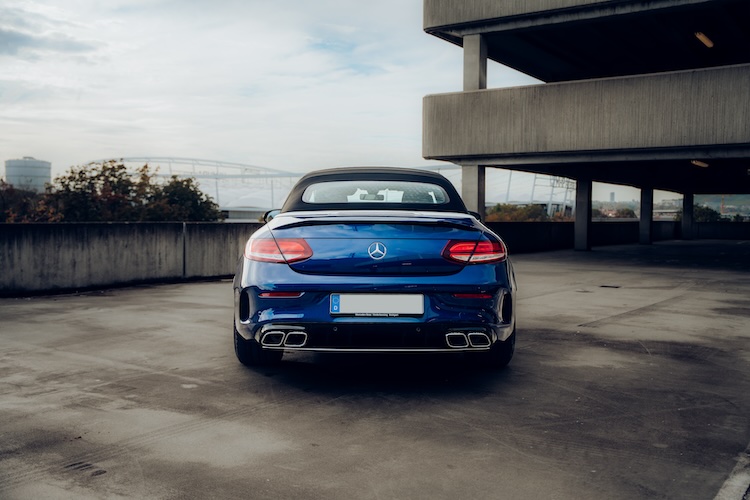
{"x": 291, "y": 84}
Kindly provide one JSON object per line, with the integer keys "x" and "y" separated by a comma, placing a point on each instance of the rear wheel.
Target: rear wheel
{"x": 501, "y": 353}
{"x": 250, "y": 353}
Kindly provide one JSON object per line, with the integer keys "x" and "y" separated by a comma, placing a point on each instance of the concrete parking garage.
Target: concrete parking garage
{"x": 631, "y": 380}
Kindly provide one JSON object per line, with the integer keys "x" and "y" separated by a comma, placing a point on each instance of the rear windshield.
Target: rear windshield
{"x": 365, "y": 191}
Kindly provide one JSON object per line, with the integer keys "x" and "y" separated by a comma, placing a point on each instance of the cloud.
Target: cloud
{"x": 290, "y": 84}
{"x": 27, "y": 33}
{"x": 16, "y": 42}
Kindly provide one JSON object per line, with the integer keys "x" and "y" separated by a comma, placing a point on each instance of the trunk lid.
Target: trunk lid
{"x": 373, "y": 244}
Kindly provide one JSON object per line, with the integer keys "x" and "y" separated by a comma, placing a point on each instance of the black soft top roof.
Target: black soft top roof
{"x": 294, "y": 200}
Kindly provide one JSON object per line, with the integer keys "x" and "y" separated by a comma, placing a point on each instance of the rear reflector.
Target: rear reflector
{"x": 472, "y": 295}
{"x": 475, "y": 252}
{"x": 281, "y": 250}
{"x": 280, "y": 295}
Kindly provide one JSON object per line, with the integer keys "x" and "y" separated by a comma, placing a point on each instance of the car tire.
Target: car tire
{"x": 501, "y": 353}
{"x": 250, "y": 353}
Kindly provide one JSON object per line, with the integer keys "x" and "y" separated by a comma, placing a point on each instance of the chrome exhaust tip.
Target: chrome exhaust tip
{"x": 273, "y": 339}
{"x": 479, "y": 339}
{"x": 456, "y": 340}
{"x": 295, "y": 339}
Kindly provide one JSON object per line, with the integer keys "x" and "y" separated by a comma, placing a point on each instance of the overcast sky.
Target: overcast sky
{"x": 289, "y": 84}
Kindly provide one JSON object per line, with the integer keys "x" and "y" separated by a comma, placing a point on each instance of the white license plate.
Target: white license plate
{"x": 377, "y": 304}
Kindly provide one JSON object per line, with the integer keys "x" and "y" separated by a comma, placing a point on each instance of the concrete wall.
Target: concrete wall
{"x": 666, "y": 230}
{"x": 212, "y": 249}
{"x": 56, "y": 257}
{"x": 522, "y": 237}
{"x": 722, "y": 231}
{"x": 614, "y": 233}
{"x": 666, "y": 111}
{"x": 42, "y": 258}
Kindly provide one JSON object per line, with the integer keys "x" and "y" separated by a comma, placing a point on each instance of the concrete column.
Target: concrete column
{"x": 584, "y": 186}
{"x": 647, "y": 216}
{"x": 473, "y": 188}
{"x": 687, "y": 216}
{"x": 475, "y": 62}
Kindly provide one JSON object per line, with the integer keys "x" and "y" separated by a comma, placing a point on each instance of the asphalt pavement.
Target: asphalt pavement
{"x": 631, "y": 380}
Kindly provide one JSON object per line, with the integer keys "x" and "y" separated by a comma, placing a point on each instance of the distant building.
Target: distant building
{"x": 28, "y": 173}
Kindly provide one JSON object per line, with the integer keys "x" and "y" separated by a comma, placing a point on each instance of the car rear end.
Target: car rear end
{"x": 375, "y": 281}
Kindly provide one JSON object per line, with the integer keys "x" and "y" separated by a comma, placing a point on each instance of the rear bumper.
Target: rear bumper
{"x": 305, "y": 322}
{"x": 376, "y": 337}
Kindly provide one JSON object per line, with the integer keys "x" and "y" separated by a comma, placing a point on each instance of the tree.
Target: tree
{"x": 517, "y": 213}
{"x": 702, "y": 213}
{"x": 21, "y": 205}
{"x": 98, "y": 192}
{"x": 108, "y": 191}
{"x": 180, "y": 199}
{"x": 625, "y": 213}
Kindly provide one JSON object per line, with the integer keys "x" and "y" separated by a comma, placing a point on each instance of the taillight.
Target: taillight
{"x": 280, "y": 250}
{"x": 475, "y": 252}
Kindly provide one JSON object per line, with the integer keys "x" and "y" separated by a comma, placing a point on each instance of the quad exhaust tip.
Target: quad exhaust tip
{"x": 277, "y": 338}
{"x": 457, "y": 340}
{"x": 479, "y": 339}
{"x": 295, "y": 339}
{"x": 461, "y": 340}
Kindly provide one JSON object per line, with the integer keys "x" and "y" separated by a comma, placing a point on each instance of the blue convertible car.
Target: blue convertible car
{"x": 374, "y": 260}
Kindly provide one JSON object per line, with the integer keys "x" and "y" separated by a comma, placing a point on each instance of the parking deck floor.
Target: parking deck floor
{"x": 631, "y": 380}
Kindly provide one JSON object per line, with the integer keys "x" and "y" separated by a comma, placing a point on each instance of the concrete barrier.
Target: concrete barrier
{"x": 212, "y": 249}
{"x": 523, "y": 237}
{"x": 48, "y": 258}
{"x": 722, "y": 231}
{"x": 38, "y": 258}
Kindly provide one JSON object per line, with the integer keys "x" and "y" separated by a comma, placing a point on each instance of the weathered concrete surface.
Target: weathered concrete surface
{"x": 439, "y": 13}
{"x": 55, "y": 257}
{"x": 631, "y": 380}
{"x": 616, "y": 115}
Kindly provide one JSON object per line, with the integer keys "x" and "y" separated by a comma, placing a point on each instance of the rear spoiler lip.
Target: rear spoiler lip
{"x": 451, "y": 219}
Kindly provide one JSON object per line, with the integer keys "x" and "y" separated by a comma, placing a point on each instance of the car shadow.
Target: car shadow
{"x": 401, "y": 374}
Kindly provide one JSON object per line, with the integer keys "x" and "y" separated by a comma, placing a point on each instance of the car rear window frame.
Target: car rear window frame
{"x": 294, "y": 201}
{"x": 375, "y": 192}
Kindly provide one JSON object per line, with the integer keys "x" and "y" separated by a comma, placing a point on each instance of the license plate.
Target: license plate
{"x": 377, "y": 304}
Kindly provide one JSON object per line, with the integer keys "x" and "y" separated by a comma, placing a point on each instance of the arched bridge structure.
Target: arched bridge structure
{"x": 230, "y": 184}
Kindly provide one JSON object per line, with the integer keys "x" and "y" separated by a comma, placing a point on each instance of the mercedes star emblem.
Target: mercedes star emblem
{"x": 377, "y": 250}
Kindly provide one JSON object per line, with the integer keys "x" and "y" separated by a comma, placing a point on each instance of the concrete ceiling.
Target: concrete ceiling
{"x": 651, "y": 42}
{"x": 720, "y": 176}
{"x": 598, "y": 41}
